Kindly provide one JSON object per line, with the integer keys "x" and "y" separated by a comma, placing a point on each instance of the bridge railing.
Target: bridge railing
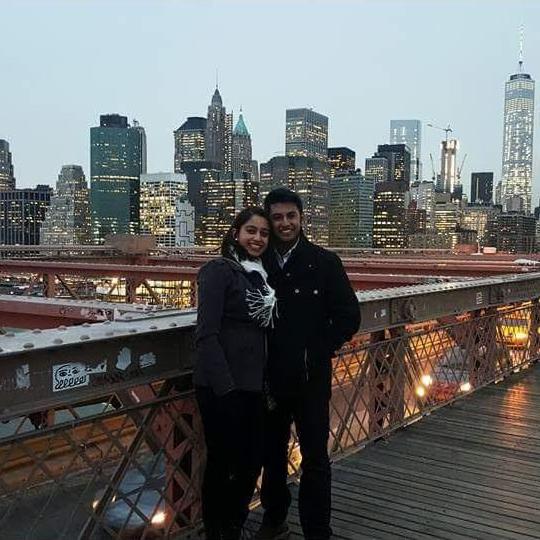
{"x": 101, "y": 438}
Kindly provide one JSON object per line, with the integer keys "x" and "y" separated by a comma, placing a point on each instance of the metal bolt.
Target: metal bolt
{"x": 36, "y": 331}
{"x": 28, "y": 345}
{"x": 173, "y": 325}
{"x": 85, "y": 325}
{"x": 61, "y": 328}
{"x": 57, "y": 341}
{"x": 132, "y": 330}
{"x": 84, "y": 337}
{"x": 153, "y": 327}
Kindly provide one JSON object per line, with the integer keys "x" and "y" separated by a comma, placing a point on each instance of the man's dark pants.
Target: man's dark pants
{"x": 309, "y": 411}
{"x": 233, "y": 435}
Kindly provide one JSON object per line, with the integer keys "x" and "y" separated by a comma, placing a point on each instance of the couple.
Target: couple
{"x": 272, "y": 311}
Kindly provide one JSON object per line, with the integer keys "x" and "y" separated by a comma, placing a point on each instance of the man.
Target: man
{"x": 317, "y": 312}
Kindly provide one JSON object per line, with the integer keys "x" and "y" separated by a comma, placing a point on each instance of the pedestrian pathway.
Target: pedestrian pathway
{"x": 470, "y": 470}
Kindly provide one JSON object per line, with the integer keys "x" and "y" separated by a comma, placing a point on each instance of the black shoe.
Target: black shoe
{"x": 273, "y": 532}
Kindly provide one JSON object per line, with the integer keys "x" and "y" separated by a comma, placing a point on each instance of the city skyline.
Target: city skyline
{"x": 467, "y": 90}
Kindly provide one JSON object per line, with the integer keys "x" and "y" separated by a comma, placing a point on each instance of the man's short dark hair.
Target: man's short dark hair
{"x": 282, "y": 195}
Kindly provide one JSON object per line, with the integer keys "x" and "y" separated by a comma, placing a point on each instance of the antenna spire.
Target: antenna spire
{"x": 217, "y": 78}
{"x": 521, "y": 39}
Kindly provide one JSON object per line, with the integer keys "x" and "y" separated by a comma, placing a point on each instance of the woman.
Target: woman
{"x": 234, "y": 306}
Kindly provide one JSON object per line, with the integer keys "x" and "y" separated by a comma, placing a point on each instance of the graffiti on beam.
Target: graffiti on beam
{"x": 123, "y": 361}
{"x": 74, "y": 375}
{"x": 147, "y": 360}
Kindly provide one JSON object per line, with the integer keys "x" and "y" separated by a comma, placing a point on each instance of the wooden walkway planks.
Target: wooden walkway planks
{"x": 470, "y": 470}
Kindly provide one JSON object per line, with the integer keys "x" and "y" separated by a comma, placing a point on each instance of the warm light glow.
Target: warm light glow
{"x": 465, "y": 387}
{"x": 521, "y": 336}
{"x": 420, "y": 391}
{"x": 426, "y": 380}
{"x": 158, "y": 518}
{"x": 94, "y": 504}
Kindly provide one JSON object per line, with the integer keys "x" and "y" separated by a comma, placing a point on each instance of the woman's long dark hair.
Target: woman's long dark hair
{"x": 229, "y": 246}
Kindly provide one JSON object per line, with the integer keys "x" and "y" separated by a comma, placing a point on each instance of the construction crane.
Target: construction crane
{"x": 434, "y": 177}
{"x": 460, "y": 168}
{"x": 446, "y": 130}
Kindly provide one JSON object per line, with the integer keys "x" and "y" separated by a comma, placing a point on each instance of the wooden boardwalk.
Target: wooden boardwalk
{"x": 470, "y": 470}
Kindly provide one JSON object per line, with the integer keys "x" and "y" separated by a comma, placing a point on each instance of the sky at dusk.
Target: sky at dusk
{"x": 361, "y": 63}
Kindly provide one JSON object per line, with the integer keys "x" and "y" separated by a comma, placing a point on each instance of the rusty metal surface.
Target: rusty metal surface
{"x": 115, "y": 450}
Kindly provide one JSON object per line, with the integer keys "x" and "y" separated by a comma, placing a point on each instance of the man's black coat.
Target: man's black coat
{"x": 317, "y": 312}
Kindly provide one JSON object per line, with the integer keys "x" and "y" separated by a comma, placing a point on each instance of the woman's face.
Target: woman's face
{"x": 253, "y": 235}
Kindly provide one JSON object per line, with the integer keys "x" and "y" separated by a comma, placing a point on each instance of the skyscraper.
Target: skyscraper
{"x": 376, "y": 168}
{"x": 241, "y": 148}
{"x": 423, "y": 193}
{"x": 67, "y": 220}
{"x": 306, "y": 134}
{"x": 142, "y": 135}
{"x": 228, "y": 143}
{"x": 341, "y": 160}
{"x": 513, "y": 232}
{"x": 517, "y": 158}
{"x": 200, "y": 176}
{"x": 189, "y": 142}
{"x": 274, "y": 174}
{"x": 390, "y": 203}
{"x": 215, "y": 131}
{"x": 160, "y": 193}
{"x": 481, "y": 188}
{"x": 116, "y": 162}
{"x": 391, "y": 163}
{"x": 309, "y": 178}
{"x": 224, "y": 197}
{"x": 409, "y": 132}
{"x": 22, "y": 212}
{"x": 7, "y": 180}
{"x": 351, "y": 210}
{"x": 448, "y": 181}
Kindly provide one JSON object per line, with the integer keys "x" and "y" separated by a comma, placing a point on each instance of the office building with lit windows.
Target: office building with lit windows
{"x": 476, "y": 216}
{"x": 376, "y": 169}
{"x": 225, "y": 195}
{"x": 341, "y": 160}
{"x": 22, "y": 212}
{"x": 423, "y": 194}
{"x": 351, "y": 210}
{"x": 391, "y": 163}
{"x": 215, "y": 131}
{"x": 309, "y": 178}
{"x": 200, "y": 174}
{"x": 273, "y": 174}
{"x": 116, "y": 163}
{"x": 306, "y": 134}
{"x": 390, "y": 203}
{"x": 67, "y": 220}
{"x": 409, "y": 132}
{"x": 160, "y": 193}
{"x": 512, "y": 232}
{"x": 7, "y": 178}
{"x": 189, "y": 142}
{"x": 518, "y": 131}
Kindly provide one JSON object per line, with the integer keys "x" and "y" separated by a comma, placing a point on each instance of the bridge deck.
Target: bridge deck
{"x": 470, "y": 470}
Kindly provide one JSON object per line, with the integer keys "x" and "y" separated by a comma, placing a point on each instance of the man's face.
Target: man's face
{"x": 286, "y": 221}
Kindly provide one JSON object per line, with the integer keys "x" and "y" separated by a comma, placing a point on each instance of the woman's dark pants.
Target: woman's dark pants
{"x": 233, "y": 435}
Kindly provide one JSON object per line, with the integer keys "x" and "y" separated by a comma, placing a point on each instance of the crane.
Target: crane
{"x": 446, "y": 130}
{"x": 434, "y": 177}
{"x": 460, "y": 168}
